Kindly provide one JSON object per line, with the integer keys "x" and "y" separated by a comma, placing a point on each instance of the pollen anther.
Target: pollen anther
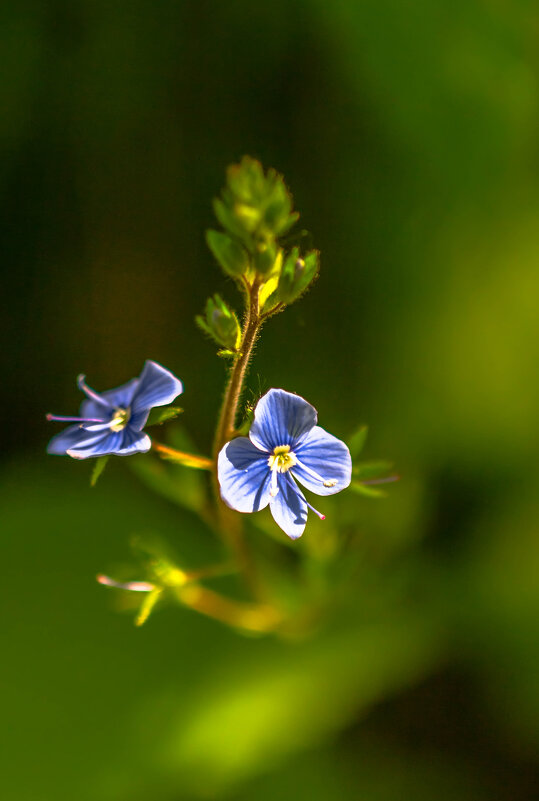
{"x": 282, "y": 459}
{"x": 120, "y": 419}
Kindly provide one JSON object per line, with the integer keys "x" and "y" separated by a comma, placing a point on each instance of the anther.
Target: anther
{"x": 132, "y": 586}
{"x": 89, "y": 391}
{"x": 60, "y": 419}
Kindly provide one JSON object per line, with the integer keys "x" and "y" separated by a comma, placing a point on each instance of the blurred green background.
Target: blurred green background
{"x": 408, "y": 133}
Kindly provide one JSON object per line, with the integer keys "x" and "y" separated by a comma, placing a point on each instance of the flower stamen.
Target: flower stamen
{"x": 61, "y": 419}
{"x": 89, "y": 392}
{"x": 331, "y": 482}
{"x": 282, "y": 459}
{"x": 120, "y": 419}
{"x": 303, "y": 498}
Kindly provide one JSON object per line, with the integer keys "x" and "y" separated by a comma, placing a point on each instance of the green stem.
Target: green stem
{"x": 229, "y": 409}
{"x": 229, "y": 521}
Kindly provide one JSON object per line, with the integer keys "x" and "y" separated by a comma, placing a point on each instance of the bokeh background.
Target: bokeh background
{"x": 408, "y": 133}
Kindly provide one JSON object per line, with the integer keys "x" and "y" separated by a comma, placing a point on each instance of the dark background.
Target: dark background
{"x": 408, "y": 134}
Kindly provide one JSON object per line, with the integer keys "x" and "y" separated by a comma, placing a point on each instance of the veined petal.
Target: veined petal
{"x": 289, "y": 507}
{"x": 327, "y": 457}
{"x": 100, "y": 444}
{"x": 119, "y": 398}
{"x": 157, "y": 387}
{"x": 137, "y": 421}
{"x": 134, "y": 442}
{"x": 69, "y": 438}
{"x": 281, "y": 418}
{"x": 244, "y": 476}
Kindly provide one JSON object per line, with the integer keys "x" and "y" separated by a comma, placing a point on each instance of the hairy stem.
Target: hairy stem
{"x": 229, "y": 521}
{"x": 229, "y": 409}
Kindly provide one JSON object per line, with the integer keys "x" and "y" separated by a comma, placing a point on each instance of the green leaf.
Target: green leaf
{"x": 163, "y": 415}
{"x": 99, "y": 466}
{"x": 374, "y": 469}
{"x": 229, "y": 222}
{"x": 231, "y": 256}
{"x": 367, "y": 491}
{"x": 357, "y": 441}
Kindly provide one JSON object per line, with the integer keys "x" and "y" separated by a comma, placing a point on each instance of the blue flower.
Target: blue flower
{"x": 112, "y": 422}
{"x": 284, "y": 444}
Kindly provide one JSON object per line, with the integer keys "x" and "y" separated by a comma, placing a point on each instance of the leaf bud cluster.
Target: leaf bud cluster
{"x": 221, "y": 323}
{"x": 255, "y": 209}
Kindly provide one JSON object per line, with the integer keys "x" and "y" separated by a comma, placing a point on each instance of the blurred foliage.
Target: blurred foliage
{"x": 408, "y": 134}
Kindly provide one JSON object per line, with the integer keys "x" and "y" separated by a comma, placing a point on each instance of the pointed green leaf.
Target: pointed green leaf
{"x": 375, "y": 469}
{"x": 357, "y": 441}
{"x": 159, "y": 415}
{"x": 366, "y": 491}
{"x": 99, "y": 466}
{"x": 231, "y": 256}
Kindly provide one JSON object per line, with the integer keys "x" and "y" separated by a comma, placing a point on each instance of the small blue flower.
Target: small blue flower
{"x": 284, "y": 444}
{"x": 112, "y": 422}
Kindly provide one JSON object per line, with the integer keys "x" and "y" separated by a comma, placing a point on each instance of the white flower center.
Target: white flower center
{"x": 120, "y": 419}
{"x": 280, "y": 461}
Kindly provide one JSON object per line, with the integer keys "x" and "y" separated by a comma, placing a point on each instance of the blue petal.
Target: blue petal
{"x": 157, "y": 387}
{"x": 281, "y": 418}
{"x": 69, "y": 438}
{"x": 137, "y": 421}
{"x": 134, "y": 442}
{"x": 119, "y": 398}
{"x": 328, "y": 457}
{"x": 288, "y": 507}
{"x": 100, "y": 444}
{"x": 244, "y": 476}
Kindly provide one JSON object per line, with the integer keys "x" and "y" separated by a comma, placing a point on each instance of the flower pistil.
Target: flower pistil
{"x": 280, "y": 461}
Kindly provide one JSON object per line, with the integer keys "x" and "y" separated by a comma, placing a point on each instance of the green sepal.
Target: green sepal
{"x": 231, "y": 256}
{"x": 297, "y": 274}
{"x": 99, "y": 466}
{"x": 357, "y": 441}
{"x": 147, "y": 606}
{"x": 158, "y": 415}
{"x": 221, "y": 323}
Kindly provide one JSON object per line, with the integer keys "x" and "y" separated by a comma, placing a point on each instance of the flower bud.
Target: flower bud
{"x": 254, "y": 206}
{"x": 221, "y": 323}
{"x": 297, "y": 274}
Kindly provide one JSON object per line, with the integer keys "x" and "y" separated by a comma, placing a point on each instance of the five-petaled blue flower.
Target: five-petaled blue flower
{"x": 284, "y": 444}
{"x": 112, "y": 422}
